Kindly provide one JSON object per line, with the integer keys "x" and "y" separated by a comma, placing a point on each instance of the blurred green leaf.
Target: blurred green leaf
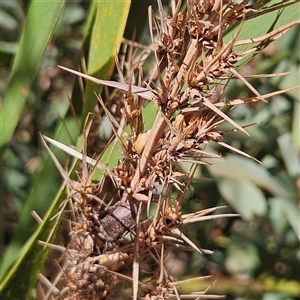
{"x": 7, "y": 21}
{"x": 23, "y": 275}
{"x": 72, "y": 13}
{"x": 26, "y": 64}
{"x": 244, "y": 196}
{"x": 277, "y": 215}
{"x": 289, "y": 154}
{"x": 6, "y": 50}
{"x": 236, "y": 167}
{"x": 276, "y": 296}
{"x": 292, "y": 214}
{"x": 41, "y": 197}
{"x": 242, "y": 258}
{"x": 296, "y": 126}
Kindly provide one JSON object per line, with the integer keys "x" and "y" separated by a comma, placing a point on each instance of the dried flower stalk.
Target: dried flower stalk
{"x": 112, "y": 234}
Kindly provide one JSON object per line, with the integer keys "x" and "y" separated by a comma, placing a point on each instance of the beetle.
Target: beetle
{"x": 116, "y": 222}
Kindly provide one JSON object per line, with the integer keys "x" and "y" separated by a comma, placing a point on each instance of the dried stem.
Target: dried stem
{"x": 112, "y": 233}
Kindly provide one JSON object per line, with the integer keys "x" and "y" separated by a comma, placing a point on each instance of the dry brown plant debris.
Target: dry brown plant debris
{"x": 113, "y": 236}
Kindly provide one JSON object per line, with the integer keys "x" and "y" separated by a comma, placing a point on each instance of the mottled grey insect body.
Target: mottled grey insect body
{"x": 116, "y": 223}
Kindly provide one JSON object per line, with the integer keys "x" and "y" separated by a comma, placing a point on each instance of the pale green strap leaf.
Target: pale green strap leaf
{"x": 107, "y": 33}
{"x": 38, "y": 30}
{"x": 32, "y": 255}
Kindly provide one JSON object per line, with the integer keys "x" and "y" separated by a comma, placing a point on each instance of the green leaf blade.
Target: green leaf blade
{"x": 40, "y": 199}
{"x": 104, "y": 45}
{"x": 38, "y": 30}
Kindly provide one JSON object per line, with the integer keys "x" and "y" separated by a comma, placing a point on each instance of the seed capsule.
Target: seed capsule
{"x": 141, "y": 141}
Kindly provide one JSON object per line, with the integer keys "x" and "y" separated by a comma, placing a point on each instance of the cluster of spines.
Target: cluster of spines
{"x": 112, "y": 234}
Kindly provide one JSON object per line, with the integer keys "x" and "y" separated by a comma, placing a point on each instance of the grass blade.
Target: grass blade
{"x": 44, "y": 189}
{"x": 104, "y": 45}
{"x": 27, "y": 61}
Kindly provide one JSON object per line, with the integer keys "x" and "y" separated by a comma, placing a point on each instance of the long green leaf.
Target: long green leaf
{"x": 105, "y": 43}
{"x": 244, "y": 196}
{"x": 264, "y": 24}
{"x": 41, "y": 197}
{"x": 38, "y": 30}
{"x": 235, "y": 167}
{"x": 19, "y": 282}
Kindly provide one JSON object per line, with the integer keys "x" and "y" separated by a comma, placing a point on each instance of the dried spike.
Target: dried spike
{"x": 104, "y": 247}
{"x": 251, "y": 87}
{"x": 186, "y": 239}
{"x": 58, "y": 165}
{"x": 190, "y": 280}
{"x": 37, "y": 217}
{"x": 51, "y": 287}
{"x": 194, "y": 219}
{"x": 223, "y": 115}
{"x": 136, "y": 259}
{"x": 77, "y": 154}
{"x": 238, "y": 151}
{"x": 235, "y": 102}
{"x": 113, "y": 122}
{"x": 147, "y": 94}
{"x": 274, "y": 34}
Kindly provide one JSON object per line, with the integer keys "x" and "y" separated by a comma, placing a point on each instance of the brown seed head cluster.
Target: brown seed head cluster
{"x": 124, "y": 225}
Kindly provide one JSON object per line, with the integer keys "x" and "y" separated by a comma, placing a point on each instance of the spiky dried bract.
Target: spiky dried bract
{"x": 124, "y": 226}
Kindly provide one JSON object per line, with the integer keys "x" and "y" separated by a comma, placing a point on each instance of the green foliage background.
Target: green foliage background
{"x": 256, "y": 256}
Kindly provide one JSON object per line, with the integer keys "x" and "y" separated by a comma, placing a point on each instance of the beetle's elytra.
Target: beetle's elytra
{"x": 119, "y": 220}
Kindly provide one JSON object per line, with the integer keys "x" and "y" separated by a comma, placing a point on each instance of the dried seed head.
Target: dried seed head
{"x": 214, "y": 135}
{"x": 141, "y": 141}
{"x": 188, "y": 91}
{"x": 179, "y": 123}
{"x": 192, "y": 121}
{"x": 122, "y": 174}
{"x": 161, "y": 155}
{"x": 113, "y": 261}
